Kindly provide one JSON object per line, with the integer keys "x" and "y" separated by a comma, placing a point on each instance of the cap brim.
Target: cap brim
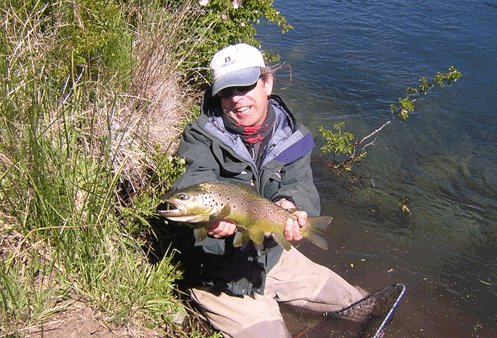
{"x": 239, "y": 78}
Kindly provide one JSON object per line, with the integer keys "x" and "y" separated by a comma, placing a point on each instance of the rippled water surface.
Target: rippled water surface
{"x": 349, "y": 61}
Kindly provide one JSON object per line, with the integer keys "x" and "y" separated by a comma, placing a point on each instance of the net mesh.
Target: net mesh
{"x": 373, "y": 311}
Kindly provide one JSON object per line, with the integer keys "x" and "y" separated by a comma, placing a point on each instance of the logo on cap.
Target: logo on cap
{"x": 227, "y": 61}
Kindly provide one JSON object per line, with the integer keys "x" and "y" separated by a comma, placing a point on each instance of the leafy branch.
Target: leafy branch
{"x": 340, "y": 143}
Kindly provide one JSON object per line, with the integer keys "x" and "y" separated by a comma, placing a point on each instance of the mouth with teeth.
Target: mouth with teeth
{"x": 241, "y": 110}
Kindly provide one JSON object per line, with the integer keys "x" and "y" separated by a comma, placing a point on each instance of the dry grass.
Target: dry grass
{"x": 157, "y": 102}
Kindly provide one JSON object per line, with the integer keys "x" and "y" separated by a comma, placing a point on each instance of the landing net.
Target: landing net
{"x": 373, "y": 312}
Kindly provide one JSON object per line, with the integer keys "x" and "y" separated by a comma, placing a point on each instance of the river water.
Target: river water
{"x": 349, "y": 61}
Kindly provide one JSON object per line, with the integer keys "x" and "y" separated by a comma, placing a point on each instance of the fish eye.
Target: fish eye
{"x": 183, "y": 196}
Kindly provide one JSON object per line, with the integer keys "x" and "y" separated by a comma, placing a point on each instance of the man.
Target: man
{"x": 245, "y": 134}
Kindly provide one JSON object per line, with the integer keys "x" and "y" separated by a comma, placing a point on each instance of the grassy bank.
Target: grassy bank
{"x": 92, "y": 103}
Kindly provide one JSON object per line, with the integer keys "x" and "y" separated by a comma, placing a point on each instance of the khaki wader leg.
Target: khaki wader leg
{"x": 295, "y": 280}
{"x": 298, "y": 281}
{"x": 241, "y": 317}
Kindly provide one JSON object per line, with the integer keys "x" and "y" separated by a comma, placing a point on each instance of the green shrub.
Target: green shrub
{"x": 95, "y": 33}
{"x": 224, "y": 22}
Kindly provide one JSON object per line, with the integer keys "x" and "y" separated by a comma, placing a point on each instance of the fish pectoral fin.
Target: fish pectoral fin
{"x": 241, "y": 238}
{"x": 257, "y": 236}
{"x": 223, "y": 214}
{"x": 200, "y": 234}
{"x": 281, "y": 240}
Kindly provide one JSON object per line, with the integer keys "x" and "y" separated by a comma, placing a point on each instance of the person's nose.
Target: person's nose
{"x": 237, "y": 95}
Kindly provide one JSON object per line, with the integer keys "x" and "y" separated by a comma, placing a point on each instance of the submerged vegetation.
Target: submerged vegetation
{"x": 93, "y": 97}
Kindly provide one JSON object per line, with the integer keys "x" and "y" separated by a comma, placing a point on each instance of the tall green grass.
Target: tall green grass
{"x": 81, "y": 164}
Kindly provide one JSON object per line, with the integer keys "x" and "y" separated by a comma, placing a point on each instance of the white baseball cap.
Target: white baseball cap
{"x": 234, "y": 66}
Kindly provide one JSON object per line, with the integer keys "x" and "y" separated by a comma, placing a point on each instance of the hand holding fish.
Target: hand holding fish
{"x": 292, "y": 228}
{"x": 221, "y": 229}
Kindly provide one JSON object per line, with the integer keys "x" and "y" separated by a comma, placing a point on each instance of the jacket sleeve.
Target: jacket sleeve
{"x": 297, "y": 185}
{"x": 201, "y": 166}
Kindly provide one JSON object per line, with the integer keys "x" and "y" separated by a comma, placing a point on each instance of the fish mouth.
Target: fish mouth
{"x": 171, "y": 209}
{"x": 177, "y": 212}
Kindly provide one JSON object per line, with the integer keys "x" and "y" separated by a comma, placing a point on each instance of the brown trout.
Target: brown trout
{"x": 255, "y": 216}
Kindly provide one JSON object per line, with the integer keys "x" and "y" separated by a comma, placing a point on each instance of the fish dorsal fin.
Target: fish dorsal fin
{"x": 241, "y": 238}
{"x": 200, "y": 234}
{"x": 281, "y": 240}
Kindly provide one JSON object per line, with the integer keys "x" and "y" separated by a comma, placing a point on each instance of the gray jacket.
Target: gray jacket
{"x": 213, "y": 154}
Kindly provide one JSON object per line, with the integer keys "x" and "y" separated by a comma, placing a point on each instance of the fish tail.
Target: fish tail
{"x": 315, "y": 230}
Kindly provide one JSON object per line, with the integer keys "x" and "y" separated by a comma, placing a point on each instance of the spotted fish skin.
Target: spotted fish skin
{"x": 255, "y": 216}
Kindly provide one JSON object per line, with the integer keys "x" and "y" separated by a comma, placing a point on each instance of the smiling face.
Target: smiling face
{"x": 248, "y": 105}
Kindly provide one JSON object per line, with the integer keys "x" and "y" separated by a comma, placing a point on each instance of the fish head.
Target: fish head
{"x": 190, "y": 205}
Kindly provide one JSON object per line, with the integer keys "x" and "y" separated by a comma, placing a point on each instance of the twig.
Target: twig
{"x": 375, "y": 132}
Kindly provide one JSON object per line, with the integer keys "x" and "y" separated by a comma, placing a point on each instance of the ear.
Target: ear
{"x": 268, "y": 84}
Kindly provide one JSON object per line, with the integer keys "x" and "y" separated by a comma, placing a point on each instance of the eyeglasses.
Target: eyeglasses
{"x": 240, "y": 90}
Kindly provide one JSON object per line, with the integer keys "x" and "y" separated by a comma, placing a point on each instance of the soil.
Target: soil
{"x": 82, "y": 321}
